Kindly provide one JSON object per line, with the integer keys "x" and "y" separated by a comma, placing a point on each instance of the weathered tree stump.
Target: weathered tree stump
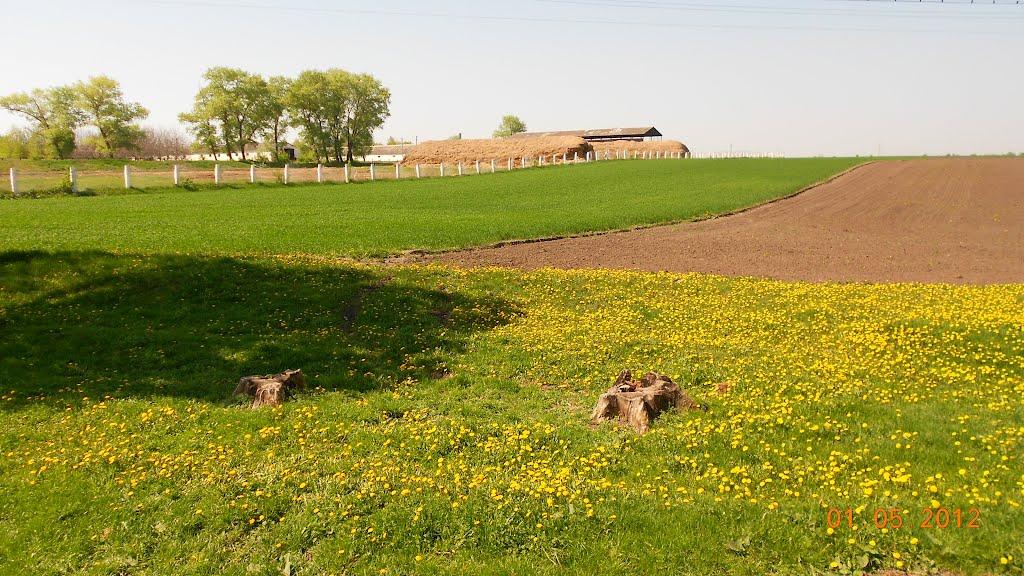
{"x": 272, "y": 389}
{"x": 637, "y": 402}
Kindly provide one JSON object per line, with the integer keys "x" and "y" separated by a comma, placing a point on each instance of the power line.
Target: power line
{"x": 241, "y": 5}
{"x": 783, "y": 11}
{"x": 944, "y": 2}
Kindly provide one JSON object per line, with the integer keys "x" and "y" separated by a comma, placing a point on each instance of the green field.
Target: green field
{"x": 385, "y": 217}
{"x": 445, "y": 430}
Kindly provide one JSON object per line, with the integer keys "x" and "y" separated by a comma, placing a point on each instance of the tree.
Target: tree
{"x": 276, "y": 113}
{"x": 509, "y": 125}
{"x": 104, "y": 106}
{"x": 204, "y": 130}
{"x": 337, "y": 111}
{"x": 231, "y": 110}
{"x": 15, "y": 144}
{"x": 53, "y": 116}
{"x": 368, "y": 109}
{"x": 163, "y": 144}
{"x": 308, "y": 106}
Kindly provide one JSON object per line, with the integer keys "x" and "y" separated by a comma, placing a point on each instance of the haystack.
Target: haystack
{"x": 499, "y": 149}
{"x": 645, "y": 146}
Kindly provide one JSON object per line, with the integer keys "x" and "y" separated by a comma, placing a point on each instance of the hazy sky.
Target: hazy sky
{"x": 802, "y": 77}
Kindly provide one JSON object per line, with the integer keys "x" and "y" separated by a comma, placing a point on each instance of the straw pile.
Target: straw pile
{"x": 501, "y": 149}
{"x": 645, "y": 146}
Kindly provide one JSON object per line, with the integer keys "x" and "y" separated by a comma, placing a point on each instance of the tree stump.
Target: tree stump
{"x": 272, "y": 389}
{"x": 637, "y": 402}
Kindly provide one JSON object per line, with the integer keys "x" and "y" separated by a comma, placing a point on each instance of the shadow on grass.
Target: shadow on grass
{"x": 92, "y": 324}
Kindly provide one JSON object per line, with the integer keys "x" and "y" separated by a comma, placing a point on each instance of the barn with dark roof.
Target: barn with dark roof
{"x": 602, "y": 134}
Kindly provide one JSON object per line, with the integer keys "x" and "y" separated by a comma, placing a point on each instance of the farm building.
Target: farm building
{"x": 602, "y": 134}
{"x": 387, "y": 153}
{"x": 252, "y": 152}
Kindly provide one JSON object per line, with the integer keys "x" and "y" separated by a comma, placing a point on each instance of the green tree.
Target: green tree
{"x": 104, "y": 106}
{"x": 276, "y": 113}
{"x": 309, "y": 102}
{"x": 369, "y": 107}
{"x": 14, "y": 144}
{"x": 204, "y": 130}
{"x": 510, "y": 125}
{"x": 337, "y": 111}
{"x": 53, "y": 116}
{"x": 233, "y": 105}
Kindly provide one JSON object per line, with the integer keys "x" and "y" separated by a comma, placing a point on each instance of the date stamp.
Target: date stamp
{"x": 894, "y": 518}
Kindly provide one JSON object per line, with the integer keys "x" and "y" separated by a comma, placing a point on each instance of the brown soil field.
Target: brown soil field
{"x": 949, "y": 220}
{"x": 645, "y": 146}
{"x": 468, "y": 151}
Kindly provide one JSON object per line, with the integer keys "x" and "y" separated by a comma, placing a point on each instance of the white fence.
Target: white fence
{"x": 184, "y": 175}
{"x": 725, "y": 155}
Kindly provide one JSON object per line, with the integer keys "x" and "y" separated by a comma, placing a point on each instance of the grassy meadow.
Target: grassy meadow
{"x": 377, "y": 218}
{"x": 445, "y": 430}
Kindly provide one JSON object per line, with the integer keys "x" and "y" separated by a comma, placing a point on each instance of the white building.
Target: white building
{"x": 252, "y": 152}
{"x": 386, "y": 153}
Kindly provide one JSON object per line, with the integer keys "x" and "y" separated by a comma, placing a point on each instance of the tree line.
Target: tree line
{"x": 55, "y": 114}
{"x": 334, "y": 112}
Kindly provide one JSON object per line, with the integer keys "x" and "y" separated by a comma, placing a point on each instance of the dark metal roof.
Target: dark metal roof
{"x": 599, "y": 133}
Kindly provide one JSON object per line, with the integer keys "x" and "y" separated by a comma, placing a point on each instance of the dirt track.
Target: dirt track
{"x": 937, "y": 220}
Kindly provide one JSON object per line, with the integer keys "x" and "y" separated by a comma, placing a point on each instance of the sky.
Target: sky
{"x": 793, "y": 77}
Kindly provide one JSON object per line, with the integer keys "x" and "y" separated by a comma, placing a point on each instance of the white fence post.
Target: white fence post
{"x": 252, "y": 173}
{"x": 216, "y": 173}
{"x": 575, "y": 157}
{"x": 373, "y": 175}
{"x": 509, "y": 164}
{"x": 14, "y": 181}
{"x": 398, "y": 171}
{"x": 417, "y": 170}
{"x": 285, "y": 173}
{"x": 477, "y": 166}
{"x": 73, "y": 178}
{"x": 175, "y": 175}
{"x": 346, "y": 173}
{"x": 127, "y": 176}
{"x": 442, "y": 169}
{"x": 460, "y": 168}
{"x": 492, "y": 165}
{"x": 319, "y": 173}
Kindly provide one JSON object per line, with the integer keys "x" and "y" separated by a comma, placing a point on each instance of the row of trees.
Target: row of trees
{"x": 55, "y": 115}
{"x": 334, "y": 111}
{"x": 152, "y": 144}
